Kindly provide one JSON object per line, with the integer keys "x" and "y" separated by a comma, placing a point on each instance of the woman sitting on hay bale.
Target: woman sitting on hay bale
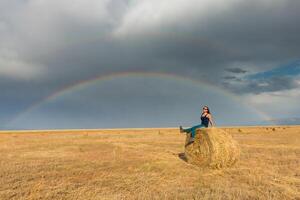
{"x": 206, "y": 119}
{"x": 210, "y": 147}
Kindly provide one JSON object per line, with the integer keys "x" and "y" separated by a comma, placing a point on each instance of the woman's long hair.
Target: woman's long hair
{"x": 207, "y": 109}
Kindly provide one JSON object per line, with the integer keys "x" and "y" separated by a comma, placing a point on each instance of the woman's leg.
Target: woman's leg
{"x": 192, "y": 130}
{"x": 187, "y": 130}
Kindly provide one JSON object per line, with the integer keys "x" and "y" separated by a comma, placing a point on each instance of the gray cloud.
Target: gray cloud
{"x": 229, "y": 77}
{"x": 236, "y": 70}
{"x": 258, "y": 86}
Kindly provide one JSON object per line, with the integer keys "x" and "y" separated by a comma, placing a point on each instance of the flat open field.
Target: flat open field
{"x": 145, "y": 164}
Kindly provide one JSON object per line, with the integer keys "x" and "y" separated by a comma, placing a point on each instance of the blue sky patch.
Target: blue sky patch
{"x": 291, "y": 69}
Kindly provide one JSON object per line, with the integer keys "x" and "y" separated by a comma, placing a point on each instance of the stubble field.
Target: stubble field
{"x": 145, "y": 164}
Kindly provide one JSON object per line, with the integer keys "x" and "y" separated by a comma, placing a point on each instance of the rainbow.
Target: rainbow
{"x": 100, "y": 78}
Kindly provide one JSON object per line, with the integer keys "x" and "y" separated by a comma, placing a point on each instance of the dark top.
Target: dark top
{"x": 204, "y": 120}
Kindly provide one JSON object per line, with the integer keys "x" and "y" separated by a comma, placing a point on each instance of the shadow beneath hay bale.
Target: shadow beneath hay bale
{"x": 182, "y": 157}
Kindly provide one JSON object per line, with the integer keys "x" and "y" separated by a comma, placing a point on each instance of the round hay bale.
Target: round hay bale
{"x": 212, "y": 148}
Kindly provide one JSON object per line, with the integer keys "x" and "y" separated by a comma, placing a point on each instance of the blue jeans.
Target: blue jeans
{"x": 192, "y": 130}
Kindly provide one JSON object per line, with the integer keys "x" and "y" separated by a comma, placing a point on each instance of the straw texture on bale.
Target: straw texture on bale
{"x": 212, "y": 148}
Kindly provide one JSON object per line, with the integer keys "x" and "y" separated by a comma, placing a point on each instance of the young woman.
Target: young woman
{"x": 206, "y": 119}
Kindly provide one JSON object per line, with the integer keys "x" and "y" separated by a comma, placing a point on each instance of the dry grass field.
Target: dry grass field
{"x": 145, "y": 164}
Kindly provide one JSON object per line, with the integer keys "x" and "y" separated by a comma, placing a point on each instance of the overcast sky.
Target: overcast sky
{"x": 241, "y": 58}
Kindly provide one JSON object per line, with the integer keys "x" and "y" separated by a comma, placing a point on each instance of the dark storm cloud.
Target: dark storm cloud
{"x": 46, "y": 45}
{"x": 247, "y": 33}
{"x": 72, "y": 42}
{"x": 250, "y": 34}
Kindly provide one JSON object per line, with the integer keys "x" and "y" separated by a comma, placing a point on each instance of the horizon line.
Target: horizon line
{"x": 136, "y": 128}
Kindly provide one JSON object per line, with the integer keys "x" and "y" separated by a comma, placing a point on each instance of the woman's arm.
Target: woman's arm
{"x": 211, "y": 121}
